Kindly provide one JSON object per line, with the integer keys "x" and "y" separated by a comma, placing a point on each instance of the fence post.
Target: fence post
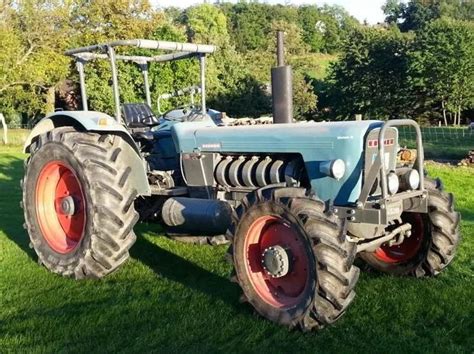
{"x": 5, "y": 129}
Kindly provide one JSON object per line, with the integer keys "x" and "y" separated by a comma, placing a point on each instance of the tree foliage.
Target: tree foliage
{"x": 32, "y": 60}
{"x": 415, "y": 14}
{"x": 442, "y": 66}
{"x": 419, "y": 63}
{"x": 35, "y": 34}
{"x": 389, "y": 74}
{"x": 371, "y": 76}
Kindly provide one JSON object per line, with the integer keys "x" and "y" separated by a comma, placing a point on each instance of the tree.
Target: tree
{"x": 230, "y": 85}
{"x": 310, "y": 20}
{"x": 416, "y": 14}
{"x": 371, "y": 75}
{"x": 106, "y": 20}
{"x": 442, "y": 66}
{"x": 393, "y": 10}
{"x": 249, "y": 25}
{"x": 98, "y": 22}
{"x": 413, "y": 15}
{"x": 206, "y": 24}
{"x": 457, "y": 9}
{"x": 33, "y": 36}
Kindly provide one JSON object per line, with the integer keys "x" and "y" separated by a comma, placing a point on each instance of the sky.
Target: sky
{"x": 369, "y": 10}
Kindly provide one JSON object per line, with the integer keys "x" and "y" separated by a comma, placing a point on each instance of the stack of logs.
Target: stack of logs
{"x": 469, "y": 160}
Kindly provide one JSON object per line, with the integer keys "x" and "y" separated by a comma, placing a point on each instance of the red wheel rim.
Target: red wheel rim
{"x": 62, "y": 230}
{"x": 409, "y": 247}
{"x": 285, "y": 291}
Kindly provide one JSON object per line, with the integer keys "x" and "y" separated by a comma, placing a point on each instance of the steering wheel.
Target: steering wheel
{"x": 150, "y": 121}
{"x": 185, "y": 108}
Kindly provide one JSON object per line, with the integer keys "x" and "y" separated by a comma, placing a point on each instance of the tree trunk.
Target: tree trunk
{"x": 5, "y": 129}
{"x": 444, "y": 113}
{"x": 50, "y": 99}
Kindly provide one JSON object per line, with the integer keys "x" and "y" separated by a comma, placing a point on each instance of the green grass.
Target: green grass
{"x": 16, "y": 137}
{"x": 172, "y": 297}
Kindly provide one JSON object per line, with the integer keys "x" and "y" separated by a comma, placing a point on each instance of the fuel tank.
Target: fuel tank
{"x": 317, "y": 143}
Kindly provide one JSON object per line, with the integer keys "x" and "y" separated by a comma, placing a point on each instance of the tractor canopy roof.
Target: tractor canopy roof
{"x": 178, "y": 50}
{"x": 173, "y": 51}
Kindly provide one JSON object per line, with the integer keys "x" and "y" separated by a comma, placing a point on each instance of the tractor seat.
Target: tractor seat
{"x": 139, "y": 115}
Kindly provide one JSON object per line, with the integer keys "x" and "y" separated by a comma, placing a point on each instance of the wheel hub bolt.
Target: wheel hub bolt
{"x": 276, "y": 261}
{"x": 68, "y": 206}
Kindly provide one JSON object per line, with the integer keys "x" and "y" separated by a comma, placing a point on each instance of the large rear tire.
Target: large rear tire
{"x": 291, "y": 258}
{"x": 78, "y": 202}
{"x": 432, "y": 244}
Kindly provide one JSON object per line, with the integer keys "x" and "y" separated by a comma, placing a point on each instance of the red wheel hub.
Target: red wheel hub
{"x": 267, "y": 237}
{"x": 60, "y": 206}
{"x": 410, "y": 245}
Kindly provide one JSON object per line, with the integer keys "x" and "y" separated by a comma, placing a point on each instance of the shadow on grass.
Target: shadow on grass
{"x": 162, "y": 262}
{"x": 11, "y": 214}
{"x": 173, "y": 267}
{"x": 466, "y": 215}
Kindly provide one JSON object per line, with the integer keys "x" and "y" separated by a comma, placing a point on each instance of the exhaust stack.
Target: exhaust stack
{"x": 282, "y": 86}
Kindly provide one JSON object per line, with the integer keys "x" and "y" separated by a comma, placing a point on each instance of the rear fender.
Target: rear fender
{"x": 101, "y": 123}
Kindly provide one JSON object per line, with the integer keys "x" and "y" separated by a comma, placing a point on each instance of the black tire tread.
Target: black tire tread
{"x": 334, "y": 255}
{"x": 113, "y": 218}
{"x": 445, "y": 231}
{"x": 444, "y": 223}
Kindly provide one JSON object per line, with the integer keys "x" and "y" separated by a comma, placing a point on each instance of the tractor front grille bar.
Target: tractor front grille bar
{"x": 378, "y": 167}
{"x": 419, "y": 149}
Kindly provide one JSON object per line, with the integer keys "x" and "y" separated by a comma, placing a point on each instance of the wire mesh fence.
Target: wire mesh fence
{"x": 440, "y": 142}
{"x": 437, "y": 134}
{"x": 13, "y": 137}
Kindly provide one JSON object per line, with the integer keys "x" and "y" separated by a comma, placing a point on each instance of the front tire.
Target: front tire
{"x": 291, "y": 258}
{"x": 78, "y": 202}
{"x": 433, "y": 243}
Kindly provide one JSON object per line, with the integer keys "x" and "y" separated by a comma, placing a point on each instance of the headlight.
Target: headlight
{"x": 414, "y": 179}
{"x": 409, "y": 179}
{"x": 338, "y": 168}
{"x": 333, "y": 168}
{"x": 393, "y": 183}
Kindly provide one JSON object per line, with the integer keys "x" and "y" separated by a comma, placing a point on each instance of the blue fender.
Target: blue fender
{"x": 96, "y": 122}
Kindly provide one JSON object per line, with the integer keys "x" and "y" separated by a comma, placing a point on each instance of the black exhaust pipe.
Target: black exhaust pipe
{"x": 282, "y": 86}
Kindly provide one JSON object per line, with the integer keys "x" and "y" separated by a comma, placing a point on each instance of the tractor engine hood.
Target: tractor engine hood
{"x": 317, "y": 143}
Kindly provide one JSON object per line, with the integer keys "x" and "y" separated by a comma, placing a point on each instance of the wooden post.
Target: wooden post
{"x": 358, "y": 117}
{"x": 4, "y": 125}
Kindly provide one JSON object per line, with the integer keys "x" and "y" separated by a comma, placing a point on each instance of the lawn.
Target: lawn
{"x": 173, "y": 297}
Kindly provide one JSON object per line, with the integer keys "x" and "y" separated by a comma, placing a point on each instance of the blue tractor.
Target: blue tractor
{"x": 297, "y": 201}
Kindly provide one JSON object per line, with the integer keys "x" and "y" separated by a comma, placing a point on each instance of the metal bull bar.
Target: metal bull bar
{"x": 386, "y": 207}
{"x": 378, "y": 167}
{"x": 419, "y": 149}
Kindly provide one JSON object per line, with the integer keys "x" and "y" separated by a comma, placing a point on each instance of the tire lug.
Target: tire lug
{"x": 243, "y": 298}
